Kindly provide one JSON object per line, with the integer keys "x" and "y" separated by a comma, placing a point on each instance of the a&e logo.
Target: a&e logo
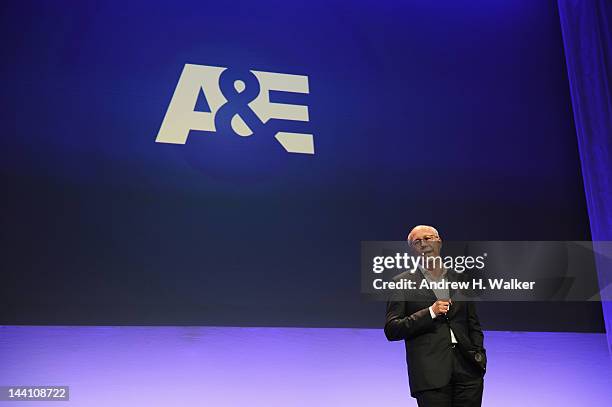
{"x": 237, "y": 102}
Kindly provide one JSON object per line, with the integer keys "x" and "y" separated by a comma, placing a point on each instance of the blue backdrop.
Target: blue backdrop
{"x": 446, "y": 113}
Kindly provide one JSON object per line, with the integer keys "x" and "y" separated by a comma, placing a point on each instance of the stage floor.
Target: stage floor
{"x": 285, "y": 367}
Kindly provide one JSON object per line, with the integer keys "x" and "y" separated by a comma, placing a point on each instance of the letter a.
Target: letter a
{"x": 181, "y": 117}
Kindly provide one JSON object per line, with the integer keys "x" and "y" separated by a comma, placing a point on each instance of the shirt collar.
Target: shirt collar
{"x": 428, "y": 275}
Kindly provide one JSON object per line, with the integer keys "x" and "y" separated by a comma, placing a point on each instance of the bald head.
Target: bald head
{"x": 418, "y": 232}
{"x": 425, "y": 240}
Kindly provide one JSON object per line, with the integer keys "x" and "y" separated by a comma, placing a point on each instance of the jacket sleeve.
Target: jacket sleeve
{"x": 400, "y": 325}
{"x": 474, "y": 328}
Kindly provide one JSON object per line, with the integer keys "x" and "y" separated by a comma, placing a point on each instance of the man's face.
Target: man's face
{"x": 425, "y": 241}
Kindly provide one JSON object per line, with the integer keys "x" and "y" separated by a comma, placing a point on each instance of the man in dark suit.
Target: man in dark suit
{"x": 443, "y": 338}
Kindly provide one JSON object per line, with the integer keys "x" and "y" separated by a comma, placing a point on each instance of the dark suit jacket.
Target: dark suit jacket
{"x": 428, "y": 343}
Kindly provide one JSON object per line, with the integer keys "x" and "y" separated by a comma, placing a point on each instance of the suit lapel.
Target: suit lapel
{"x": 430, "y": 293}
{"x": 451, "y": 276}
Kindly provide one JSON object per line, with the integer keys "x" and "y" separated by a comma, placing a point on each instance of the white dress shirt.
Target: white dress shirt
{"x": 442, "y": 294}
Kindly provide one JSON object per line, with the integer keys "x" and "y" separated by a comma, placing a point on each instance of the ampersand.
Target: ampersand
{"x": 235, "y": 116}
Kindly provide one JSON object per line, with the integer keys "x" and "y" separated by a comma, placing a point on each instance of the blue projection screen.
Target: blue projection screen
{"x": 314, "y": 126}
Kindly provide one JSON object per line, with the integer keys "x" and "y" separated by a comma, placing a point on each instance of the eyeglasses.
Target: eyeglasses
{"x": 427, "y": 238}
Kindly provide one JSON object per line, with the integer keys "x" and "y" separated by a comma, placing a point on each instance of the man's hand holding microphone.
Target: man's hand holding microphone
{"x": 440, "y": 307}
